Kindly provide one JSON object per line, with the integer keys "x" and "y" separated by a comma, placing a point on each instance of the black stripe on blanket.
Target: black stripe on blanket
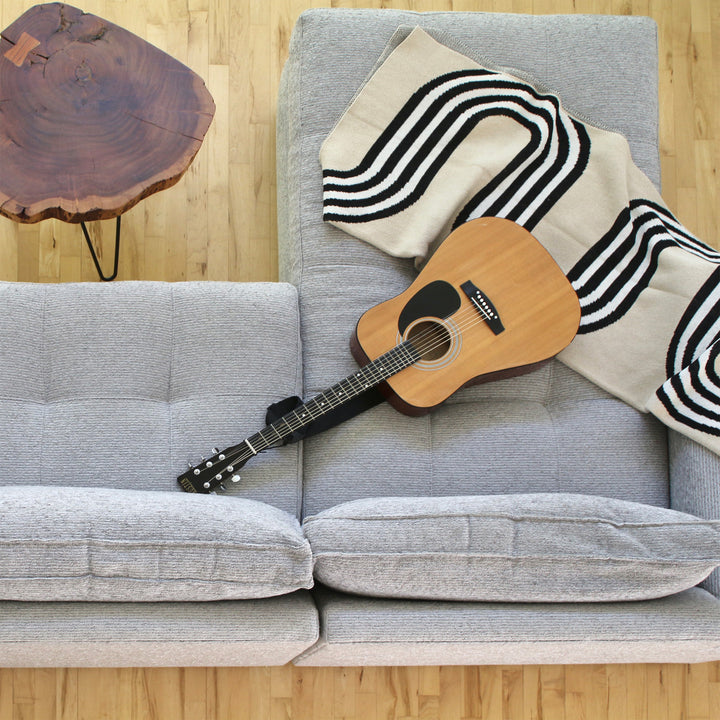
{"x": 692, "y": 393}
{"x": 395, "y": 126}
{"x": 699, "y": 327}
{"x": 692, "y": 396}
{"x": 611, "y": 275}
{"x": 409, "y": 153}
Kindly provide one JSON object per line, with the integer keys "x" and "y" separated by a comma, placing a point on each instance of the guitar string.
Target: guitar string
{"x": 247, "y": 450}
{"x": 374, "y": 377}
{"x": 244, "y": 453}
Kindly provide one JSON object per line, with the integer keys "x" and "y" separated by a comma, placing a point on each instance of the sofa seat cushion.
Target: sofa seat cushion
{"x": 541, "y": 547}
{"x": 99, "y": 544}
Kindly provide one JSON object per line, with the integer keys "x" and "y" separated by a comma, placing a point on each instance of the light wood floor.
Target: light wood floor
{"x": 219, "y": 223}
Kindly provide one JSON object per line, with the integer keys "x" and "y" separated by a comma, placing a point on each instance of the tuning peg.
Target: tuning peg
{"x": 235, "y": 478}
{"x": 214, "y": 451}
{"x": 222, "y": 487}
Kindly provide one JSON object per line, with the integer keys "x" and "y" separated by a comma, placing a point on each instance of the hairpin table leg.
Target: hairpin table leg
{"x": 94, "y": 256}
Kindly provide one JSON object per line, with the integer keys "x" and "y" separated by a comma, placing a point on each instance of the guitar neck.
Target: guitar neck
{"x": 224, "y": 465}
{"x": 372, "y": 374}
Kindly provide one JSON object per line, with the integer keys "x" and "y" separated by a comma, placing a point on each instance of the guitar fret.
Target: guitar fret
{"x": 252, "y": 449}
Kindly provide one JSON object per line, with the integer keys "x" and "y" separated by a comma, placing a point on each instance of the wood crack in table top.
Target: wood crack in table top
{"x": 161, "y": 127}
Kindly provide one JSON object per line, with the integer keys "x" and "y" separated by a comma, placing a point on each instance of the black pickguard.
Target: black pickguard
{"x": 438, "y": 299}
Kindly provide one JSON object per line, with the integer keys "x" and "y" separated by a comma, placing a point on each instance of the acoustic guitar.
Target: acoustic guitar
{"x": 490, "y": 303}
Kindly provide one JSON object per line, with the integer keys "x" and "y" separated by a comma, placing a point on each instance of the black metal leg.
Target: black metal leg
{"x": 107, "y": 278}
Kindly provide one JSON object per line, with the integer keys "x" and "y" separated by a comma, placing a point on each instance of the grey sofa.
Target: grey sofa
{"x": 547, "y": 432}
{"x": 107, "y": 390}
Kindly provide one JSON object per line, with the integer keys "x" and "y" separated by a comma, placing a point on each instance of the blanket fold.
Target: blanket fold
{"x": 434, "y": 139}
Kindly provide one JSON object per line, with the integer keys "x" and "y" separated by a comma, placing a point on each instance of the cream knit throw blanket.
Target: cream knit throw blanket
{"x": 434, "y": 139}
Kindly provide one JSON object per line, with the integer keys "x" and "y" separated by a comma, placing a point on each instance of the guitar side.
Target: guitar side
{"x": 538, "y": 311}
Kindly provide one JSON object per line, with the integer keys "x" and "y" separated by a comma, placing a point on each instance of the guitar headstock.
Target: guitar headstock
{"x": 211, "y": 475}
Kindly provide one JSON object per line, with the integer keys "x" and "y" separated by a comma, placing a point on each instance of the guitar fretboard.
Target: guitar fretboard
{"x": 387, "y": 365}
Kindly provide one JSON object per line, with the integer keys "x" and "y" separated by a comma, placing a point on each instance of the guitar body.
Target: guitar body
{"x": 490, "y": 303}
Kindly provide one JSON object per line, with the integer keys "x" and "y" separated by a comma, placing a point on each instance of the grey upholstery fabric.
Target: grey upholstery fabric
{"x": 523, "y": 435}
{"x": 550, "y": 431}
{"x": 370, "y": 631}
{"x": 86, "y": 634}
{"x": 695, "y": 486}
{"x": 119, "y": 385}
{"x": 114, "y": 545}
{"x": 552, "y": 547}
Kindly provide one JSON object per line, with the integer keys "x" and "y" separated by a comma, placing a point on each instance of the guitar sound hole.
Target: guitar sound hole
{"x": 431, "y": 339}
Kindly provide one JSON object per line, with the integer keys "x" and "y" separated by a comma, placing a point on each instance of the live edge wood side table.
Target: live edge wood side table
{"x": 92, "y": 119}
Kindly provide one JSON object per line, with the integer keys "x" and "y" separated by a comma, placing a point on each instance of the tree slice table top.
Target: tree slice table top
{"x": 92, "y": 118}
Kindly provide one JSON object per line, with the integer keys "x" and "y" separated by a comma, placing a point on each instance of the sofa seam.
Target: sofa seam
{"x": 156, "y": 401}
{"x": 135, "y": 580}
{"x": 300, "y": 27}
{"x": 509, "y": 515}
{"x": 431, "y": 439}
{"x": 413, "y": 554}
{"x": 300, "y": 385}
{"x": 619, "y": 639}
{"x": 169, "y": 403}
{"x": 46, "y": 380}
{"x": 300, "y": 500}
{"x": 290, "y": 547}
{"x": 173, "y": 640}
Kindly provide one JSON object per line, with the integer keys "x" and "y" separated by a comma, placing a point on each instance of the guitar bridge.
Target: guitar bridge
{"x": 484, "y": 306}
